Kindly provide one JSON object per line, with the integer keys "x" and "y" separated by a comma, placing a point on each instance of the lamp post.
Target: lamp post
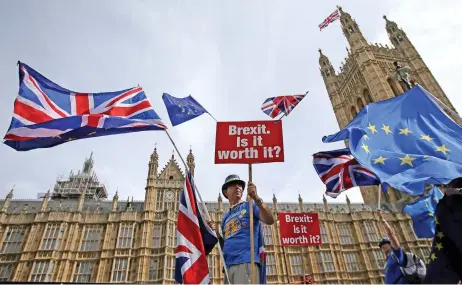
{"x": 401, "y": 73}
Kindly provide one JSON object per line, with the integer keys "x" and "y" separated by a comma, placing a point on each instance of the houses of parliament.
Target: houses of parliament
{"x": 75, "y": 233}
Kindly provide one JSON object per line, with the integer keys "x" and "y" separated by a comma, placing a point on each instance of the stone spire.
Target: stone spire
{"x": 300, "y": 203}
{"x": 275, "y": 203}
{"x": 348, "y": 203}
{"x": 88, "y": 165}
{"x": 324, "y": 201}
{"x": 190, "y": 161}
{"x": 351, "y": 31}
{"x": 44, "y": 206}
{"x": 115, "y": 201}
{"x": 220, "y": 203}
{"x": 81, "y": 200}
{"x": 8, "y": 198}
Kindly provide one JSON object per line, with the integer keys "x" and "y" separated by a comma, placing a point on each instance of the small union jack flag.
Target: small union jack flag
{"x": 332, "y": 17}
{"x": 340, "y": 171}
{"x": 46, "y": 114}
{"x": 281, "y": 104}
{"x": 194, "y": 239}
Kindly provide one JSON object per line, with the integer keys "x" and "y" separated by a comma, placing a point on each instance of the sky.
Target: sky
{"x": 230, "y": 56}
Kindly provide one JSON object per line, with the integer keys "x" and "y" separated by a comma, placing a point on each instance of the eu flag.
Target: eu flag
{"x": 422, "y": 213}
{"x": 181, "y": 110}
{"x": 407, "y": 141}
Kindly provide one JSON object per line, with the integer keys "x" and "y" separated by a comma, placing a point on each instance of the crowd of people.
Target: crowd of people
{"x": 401, "y": 267}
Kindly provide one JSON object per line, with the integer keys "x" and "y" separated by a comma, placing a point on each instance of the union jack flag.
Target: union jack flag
{"x": 281, "y": 104}
{"x": 46, "y": 114}
{"x": 340, "y": 171}
{"x": 194, "y": 239}
{"x": 332, "y": 17}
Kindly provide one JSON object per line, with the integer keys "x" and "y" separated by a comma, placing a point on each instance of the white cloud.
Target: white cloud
{"x": 230, "y": 57}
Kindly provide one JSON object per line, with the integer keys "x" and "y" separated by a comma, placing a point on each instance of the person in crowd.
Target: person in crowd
{"x": 235, "y": 227}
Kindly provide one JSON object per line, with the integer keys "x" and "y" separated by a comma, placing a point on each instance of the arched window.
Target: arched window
{"x": 360, "y": 104}
{"x": 367, "y": 96}
{"x": 353, "y": 111}
{"x": 396, "y": 90}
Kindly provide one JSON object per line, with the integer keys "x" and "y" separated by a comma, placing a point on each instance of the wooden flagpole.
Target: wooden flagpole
{"x": 202, "y": 203}
{"x": 252, "y": 240}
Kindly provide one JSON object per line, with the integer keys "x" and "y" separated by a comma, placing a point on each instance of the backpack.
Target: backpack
{"x": 413, "y": 268}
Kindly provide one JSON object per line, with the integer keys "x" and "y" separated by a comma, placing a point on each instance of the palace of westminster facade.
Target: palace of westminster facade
{"x": 72, "y": 235}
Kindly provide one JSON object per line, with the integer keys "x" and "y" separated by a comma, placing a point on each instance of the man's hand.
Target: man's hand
{"x": 252, "y": 191}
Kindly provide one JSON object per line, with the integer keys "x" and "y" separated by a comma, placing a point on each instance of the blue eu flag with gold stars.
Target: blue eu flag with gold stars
{"x": 422, "y": 213}
{"x": 407, "y": 141}
{"x": 181, "y": 110}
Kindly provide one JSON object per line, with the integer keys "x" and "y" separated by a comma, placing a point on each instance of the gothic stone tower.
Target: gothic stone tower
{"x": 366, "y": 76}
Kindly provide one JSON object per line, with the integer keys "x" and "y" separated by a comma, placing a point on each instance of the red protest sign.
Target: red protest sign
{"x": 299, "y": 229}
{"x": 249, "y": 142}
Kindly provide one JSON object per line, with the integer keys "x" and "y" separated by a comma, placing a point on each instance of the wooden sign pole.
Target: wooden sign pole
{"x": 252, "y": 241}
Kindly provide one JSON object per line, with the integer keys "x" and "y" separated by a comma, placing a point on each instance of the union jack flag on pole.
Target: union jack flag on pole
{"x": 46, "y": 114}
{"x": 275, "y": 106}
{"x": 340, "y": 171}
{"x": 332, "y": 17}
{"x": 194, "y": 239}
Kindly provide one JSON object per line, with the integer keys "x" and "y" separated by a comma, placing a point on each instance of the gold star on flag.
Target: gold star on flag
{"x": 436, "y": 199}
{"x": 69, "y": 139}
{"x": 386, "y": 129}
{"x": 443, "y": 149}
{"x": 430, "y": 214}
{"x": 439, "y": 246}
{"x": 372, "y": 128}
{"x": 426, "y": 156}
{"x": 440, "y": 235}
{"x": 92, "y": 133}
{"x": 427, "y": 262}
{"x": 405, "y": 131}
{"x": 433, "y": 256}
{"x": 366, "y": 148}
{"x": 365, "y": 137}
{"x": 436, "y": 221}
{"x": 407, "y": 160}
{"x": 380, "y": 159}
{"x": 426, "y": 137}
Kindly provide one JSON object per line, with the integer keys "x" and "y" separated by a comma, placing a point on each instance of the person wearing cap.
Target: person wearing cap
{"x": 395, "y": 256}
{"x": 235, "y": 227}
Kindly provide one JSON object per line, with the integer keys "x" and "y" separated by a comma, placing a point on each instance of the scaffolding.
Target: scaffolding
{"x": 84, "y": 181}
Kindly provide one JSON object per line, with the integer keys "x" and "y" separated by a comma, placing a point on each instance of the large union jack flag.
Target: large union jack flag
{"x": 274, "y": 106}
{"x": 46, "y": 114}
{"x": 332, "y": 17}
{"x": 340, "y": 171}
{"x": 194, "y": 239}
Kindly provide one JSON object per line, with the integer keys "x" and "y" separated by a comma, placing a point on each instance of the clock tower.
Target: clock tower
{"x": 169, "y": 185}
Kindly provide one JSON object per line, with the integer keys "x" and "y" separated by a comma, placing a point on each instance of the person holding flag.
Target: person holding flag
{"x": 236, "y": 231}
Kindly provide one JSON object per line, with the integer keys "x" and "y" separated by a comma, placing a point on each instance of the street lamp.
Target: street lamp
{"x": 401, "y": 73}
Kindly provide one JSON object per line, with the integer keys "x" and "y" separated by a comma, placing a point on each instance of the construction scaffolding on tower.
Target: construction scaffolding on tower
{"x": 84, "y": 181}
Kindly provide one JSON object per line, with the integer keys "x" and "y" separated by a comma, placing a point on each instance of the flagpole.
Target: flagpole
{"x": 379, "y": 196}
{"x": 202, "y": 202}
{"x": 252, "y": 241}
{"x": 446, "y": 108}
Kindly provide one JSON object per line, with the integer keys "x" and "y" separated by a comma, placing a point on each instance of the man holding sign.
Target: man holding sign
{"x": 236, "y": 229}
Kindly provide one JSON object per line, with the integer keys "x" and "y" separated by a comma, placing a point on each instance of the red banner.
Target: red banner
{"x": 298, "y": 229}
{"x": 249, "y": 142}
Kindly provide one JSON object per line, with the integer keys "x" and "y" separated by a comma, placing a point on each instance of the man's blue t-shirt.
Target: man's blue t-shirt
{"x": 393, "y": 274}
{"x": 236, "y": 234}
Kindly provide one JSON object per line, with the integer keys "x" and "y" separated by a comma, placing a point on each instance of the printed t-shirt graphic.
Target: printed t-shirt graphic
{"x": 236, "y": 231}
